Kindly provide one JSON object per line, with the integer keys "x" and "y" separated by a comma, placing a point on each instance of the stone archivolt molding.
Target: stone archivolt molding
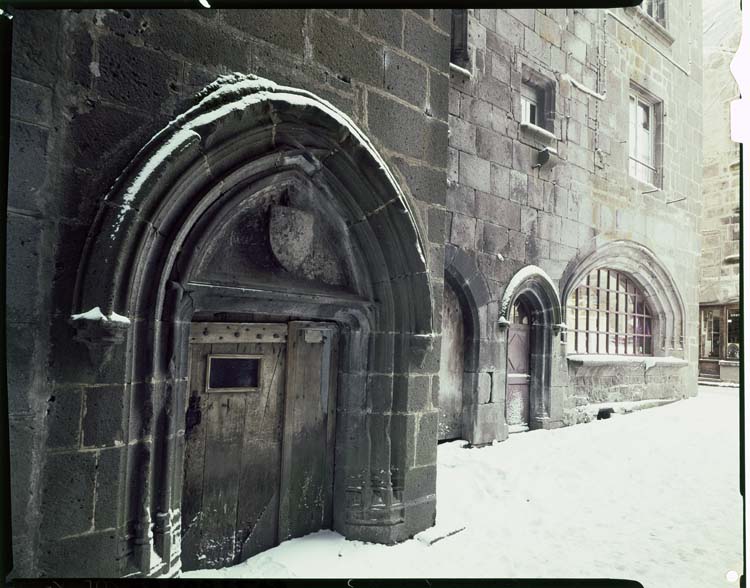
{"x": 243, "y": 131}
{"x": 644, "y": 267}
{"x": 536, "y": 281}
{"x": 181, "y": 171}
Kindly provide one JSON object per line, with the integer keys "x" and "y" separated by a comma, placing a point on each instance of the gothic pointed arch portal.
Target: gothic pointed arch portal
{"x": 261, "y": 204}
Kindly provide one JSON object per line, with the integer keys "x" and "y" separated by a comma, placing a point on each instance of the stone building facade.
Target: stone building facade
{"x": 720, "y": 344}
{"x": 533, "y": 207}
{"x": 242, "y": 233}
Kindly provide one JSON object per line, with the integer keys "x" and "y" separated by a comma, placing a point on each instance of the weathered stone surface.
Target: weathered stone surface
{"x": 102, "y": 416}
{"x": 426, "y": 184}
{"x": 27, "y": 173}
{"x": 282, "y": 28}
{"x": 135, "y": 76}
{"x": 109, "y": 468}
{"x": 395, "y": 125}
{"x": 30, "y": 102}
{"x": 68, "y": 494}
{"x": 438, "y": 106}
{"x": 405, "y": 78}
{"x": 64, "y": 417}
{"x": 24, "y": 258}
{"x": 343, "y": 50}
{"x": 67, "y": 557}
{"x": 421, "y": 40}
{"x": 384, "y": 24}
{"x": 41, "y": 28}
{"x": 474, "y": 172}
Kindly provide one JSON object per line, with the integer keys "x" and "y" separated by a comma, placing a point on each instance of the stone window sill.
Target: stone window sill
{"x": 460, "y": 70}
{"x": 652, "y": 26}
{"x": 646, "y": 187}
{"x": 538, "y": 133}
{"x": 729, "y": 362}
{"x": 648, "y": 362}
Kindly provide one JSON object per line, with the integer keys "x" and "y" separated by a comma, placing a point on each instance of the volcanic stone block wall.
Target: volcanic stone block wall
{"x": 508, "y": 213}
{"x": 89, "y": 89}
{"x": 720, "y": 226}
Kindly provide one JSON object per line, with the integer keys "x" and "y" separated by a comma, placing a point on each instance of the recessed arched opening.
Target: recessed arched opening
{"x": 649, "y": 277}
{"x": 455, "y": 350}
{"x": 625, "y": 322}
{"x": 530, "y": 317}
{"x": 469, "y": 403}
{"x": 262, "y": 216}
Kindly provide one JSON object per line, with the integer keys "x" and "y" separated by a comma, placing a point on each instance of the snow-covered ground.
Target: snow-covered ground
{"x": 650, "y": 496}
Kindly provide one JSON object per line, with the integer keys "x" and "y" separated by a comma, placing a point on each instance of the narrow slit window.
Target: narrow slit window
{"x": 460, "y": 37}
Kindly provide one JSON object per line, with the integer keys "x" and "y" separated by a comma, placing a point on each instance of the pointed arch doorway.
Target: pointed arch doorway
{"x": 530, "y": 314}
{"x": 261, "y": 204}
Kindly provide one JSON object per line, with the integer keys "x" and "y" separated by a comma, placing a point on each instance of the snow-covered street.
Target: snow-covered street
{"x": 651, "y": 496}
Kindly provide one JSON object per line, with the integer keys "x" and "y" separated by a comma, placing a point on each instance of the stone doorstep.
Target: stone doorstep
{"x": 624, "y": 407}
{"x": 718, "y": 383}
{"x": 436, "y": 533}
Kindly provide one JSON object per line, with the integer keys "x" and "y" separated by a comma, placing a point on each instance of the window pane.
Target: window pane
{"x": 733, "y": 326}
{"x": 581, "y": 326}
{"x": 632, "y": 127}
{"x": 644, "y": 116}
{"x": 233, "y": 372}
{"x": 644, "y": 148}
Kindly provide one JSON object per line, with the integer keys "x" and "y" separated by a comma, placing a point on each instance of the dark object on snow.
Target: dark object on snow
{"x": 604, "y": 413}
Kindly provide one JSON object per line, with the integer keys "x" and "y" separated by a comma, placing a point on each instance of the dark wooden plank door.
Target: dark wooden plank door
{"x": 450, "y": 400}
{"x": 309, "y": 426}
{"x": 230, "y": 500}
{"x": 517, "y": 395}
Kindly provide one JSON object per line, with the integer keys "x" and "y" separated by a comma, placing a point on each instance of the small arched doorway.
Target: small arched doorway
{"x": 530, "y": 315}
{"x": 469, "y": 397}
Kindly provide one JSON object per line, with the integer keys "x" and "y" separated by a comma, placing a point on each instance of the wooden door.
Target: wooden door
{"x": 230, "y": 499}
{"x": 254, "y": 438}
{"x": 518, "y": 372}
{"x": 309, "y": 427}
{"x": 450, "y": 400}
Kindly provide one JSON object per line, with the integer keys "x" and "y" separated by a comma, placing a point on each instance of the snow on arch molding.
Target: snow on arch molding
{"x": 521, "y": 277}
{"x": 96, "y": 314}
{"x": 136, "y": 195}
{"x": 230, "y": 93}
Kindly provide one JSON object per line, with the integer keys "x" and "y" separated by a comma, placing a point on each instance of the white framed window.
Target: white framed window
{"x": 656, "y": 9}
{"x": 532, "y": 105}
{"x": 644, "y": 139}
